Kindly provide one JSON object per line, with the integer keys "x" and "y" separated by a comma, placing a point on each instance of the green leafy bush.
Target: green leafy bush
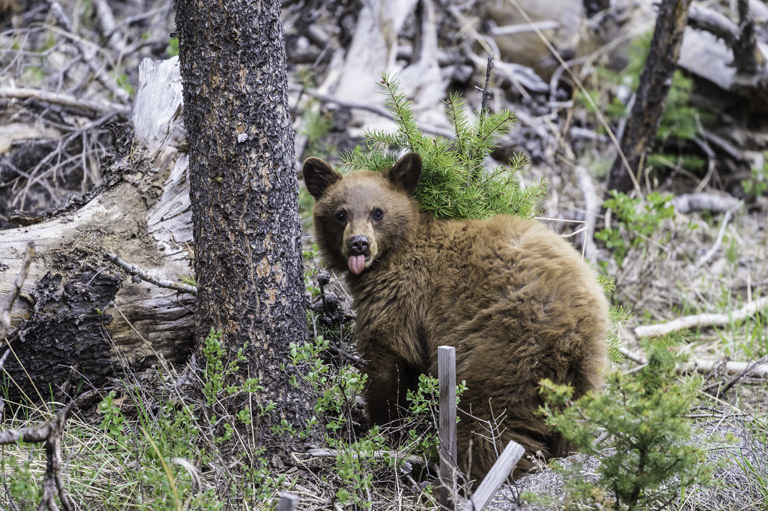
{"x": 637, "y": 219}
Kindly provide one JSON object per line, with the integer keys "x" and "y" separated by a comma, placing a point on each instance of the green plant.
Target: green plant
{"x": 173, "y": 47}
{"x": 454, "y": 182}
{"x": 648, "y": 445}
{"x": 758, "y": 182}
{"x": 637, "y": 220}
{"x": 113, "y": 423}
{"x": 216, "y": 372}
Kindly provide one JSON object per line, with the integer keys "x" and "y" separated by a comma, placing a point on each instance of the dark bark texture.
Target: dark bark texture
{"x": 650, "y": 98}
{"x": 592, "y": 7}
{"x": 244, "y": 194}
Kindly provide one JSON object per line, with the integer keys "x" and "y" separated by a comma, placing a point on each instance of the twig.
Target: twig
{"x": 706, "y": 257}
{"x": 50, "y": 433}
{"x": 88, "y": 55}
{"x": 591, "y": 208}
{"x": 143, "y": 275}
{"x": 5, "y": 315}
{"x": 98, "y": 107}
{"x": 487, "y": 87}
{"x": 700, "y": 320}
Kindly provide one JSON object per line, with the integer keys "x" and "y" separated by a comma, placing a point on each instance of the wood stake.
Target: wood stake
{"x": 288, "y": 502}
{"x": 495, "y": 477}
{"x": 446, "y": 370}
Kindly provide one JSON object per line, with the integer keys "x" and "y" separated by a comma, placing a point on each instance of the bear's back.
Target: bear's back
{"x": 516, "y": 299}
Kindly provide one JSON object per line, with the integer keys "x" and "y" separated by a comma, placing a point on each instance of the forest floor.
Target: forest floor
{"x": 668, "y": 259}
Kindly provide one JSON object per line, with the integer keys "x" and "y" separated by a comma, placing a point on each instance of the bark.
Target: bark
{"x": 592, "y": 7}
{"x": 78, "y": 319}
{"x": 650, "y": 98}
{"x": 244, "y": 196}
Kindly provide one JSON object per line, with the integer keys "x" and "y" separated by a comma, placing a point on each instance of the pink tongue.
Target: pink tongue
{"x": 356, "y": 264}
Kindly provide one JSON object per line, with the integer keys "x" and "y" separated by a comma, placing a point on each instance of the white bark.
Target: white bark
{"x": 145, "y": 219}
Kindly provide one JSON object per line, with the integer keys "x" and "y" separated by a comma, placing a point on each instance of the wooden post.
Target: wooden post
{"x": 446, "y": 371}
{"x": 288, "y": 502}
{"x": 495, "y": 477}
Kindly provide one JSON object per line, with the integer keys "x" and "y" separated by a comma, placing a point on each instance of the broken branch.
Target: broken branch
{"x": 143, "y": 275}
{"x": 700, "y": 320}
{"x": 50, "y": 433}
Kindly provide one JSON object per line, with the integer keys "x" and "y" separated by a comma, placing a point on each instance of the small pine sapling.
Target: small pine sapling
{"x": 454, "y": 181}
{"x": 648, "y": 454}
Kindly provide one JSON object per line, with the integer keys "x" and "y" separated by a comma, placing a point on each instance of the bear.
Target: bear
{"x": 512, "y": 297}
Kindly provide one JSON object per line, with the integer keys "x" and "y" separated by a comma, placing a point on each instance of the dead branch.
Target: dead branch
{"x": 758, "y": 368}
{"x": 702, "y": 320}
{"x": 49, "y": 433}
{"x": 741, "y": 368}
{"x": 703, "y": 18}
{"x": 5, "y": 314}
{"x": 143, "y": 275}
{"x": 690, "y": 202}
{"x": 96, "y": 107}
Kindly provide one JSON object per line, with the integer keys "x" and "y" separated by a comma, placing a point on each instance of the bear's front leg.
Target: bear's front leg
{"x": 389, "y": 379}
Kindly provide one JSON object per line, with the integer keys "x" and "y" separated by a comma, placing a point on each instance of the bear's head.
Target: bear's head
{"x": 362, "y": 217}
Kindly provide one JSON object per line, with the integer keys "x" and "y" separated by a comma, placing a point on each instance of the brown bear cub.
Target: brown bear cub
{"x": 514, "y": 299}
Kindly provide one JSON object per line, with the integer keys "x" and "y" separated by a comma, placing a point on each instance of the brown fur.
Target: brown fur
{"x": 512, "y": 297}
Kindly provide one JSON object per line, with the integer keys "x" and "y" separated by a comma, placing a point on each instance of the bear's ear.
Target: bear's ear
{"x": 406, "y": 172}
{"x": 318, "y": 176}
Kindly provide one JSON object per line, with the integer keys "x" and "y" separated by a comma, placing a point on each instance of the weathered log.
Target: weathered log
{"x": 78, "y": 317}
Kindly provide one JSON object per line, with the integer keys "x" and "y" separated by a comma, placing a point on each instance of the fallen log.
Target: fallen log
{"x": 78, "y": 319}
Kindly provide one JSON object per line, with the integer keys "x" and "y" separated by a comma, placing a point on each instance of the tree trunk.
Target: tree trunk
{"x": 78, "y": 319}
{"x": 244, "y": 196}
{"x": 651, "y": 95}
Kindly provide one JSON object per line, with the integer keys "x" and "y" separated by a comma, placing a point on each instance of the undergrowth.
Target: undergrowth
{"x": 648, "y": 453}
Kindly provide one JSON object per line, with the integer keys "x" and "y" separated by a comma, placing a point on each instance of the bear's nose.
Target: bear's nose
{"x": 358, "y": 245}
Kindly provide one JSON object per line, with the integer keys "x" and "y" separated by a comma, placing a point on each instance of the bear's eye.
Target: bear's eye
{"x": 341, "y": 215}
{"x": 377, "y": 213}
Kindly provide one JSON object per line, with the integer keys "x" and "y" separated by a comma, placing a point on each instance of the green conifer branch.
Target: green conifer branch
{"x": 454, "y": 183}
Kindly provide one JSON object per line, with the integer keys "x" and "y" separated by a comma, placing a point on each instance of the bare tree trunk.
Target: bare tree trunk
{"x": 244, "y": 195}
{"x": 651, "y": 95}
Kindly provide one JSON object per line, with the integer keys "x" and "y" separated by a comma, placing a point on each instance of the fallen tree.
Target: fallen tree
{"x": 78, "y": 318}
